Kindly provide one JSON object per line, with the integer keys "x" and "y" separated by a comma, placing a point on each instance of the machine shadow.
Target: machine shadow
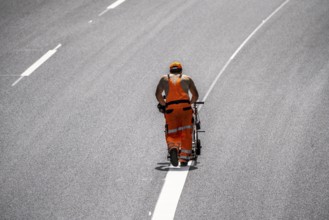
{"x": 165, "y": 167}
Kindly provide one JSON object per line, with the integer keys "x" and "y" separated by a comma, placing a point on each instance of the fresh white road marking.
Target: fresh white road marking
{"x": 170, "y": 193}
{"x": 112, "y": 6}
{"x": 37, "y": 64}
{"x": 175, "y": 180}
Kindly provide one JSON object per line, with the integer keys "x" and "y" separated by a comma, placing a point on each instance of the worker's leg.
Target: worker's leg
{"x": 186, "y": 135}
{"x": 173, "y": 137}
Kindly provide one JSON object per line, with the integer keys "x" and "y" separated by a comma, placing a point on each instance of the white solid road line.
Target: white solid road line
{"x": 112, "y": 6}
{"x": 37, "y": 64}
{"x": 175, "y": 180}
{"x": 170, "y": 193}
{"x": 239, "y": 49}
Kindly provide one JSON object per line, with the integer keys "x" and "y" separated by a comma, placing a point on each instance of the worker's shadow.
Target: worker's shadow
{"x": 166, "y": 167}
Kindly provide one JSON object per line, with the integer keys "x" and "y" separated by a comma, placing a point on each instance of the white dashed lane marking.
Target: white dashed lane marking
{"x": 37, "y": 64}
{"x": 112, "y": 6}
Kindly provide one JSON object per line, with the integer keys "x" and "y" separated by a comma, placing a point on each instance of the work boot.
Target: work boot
{"x": 174, "y": 157}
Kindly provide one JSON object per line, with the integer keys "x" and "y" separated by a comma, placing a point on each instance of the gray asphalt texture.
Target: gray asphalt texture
{"x": 81, "y": 137}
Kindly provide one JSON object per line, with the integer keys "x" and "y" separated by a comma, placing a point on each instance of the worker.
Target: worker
{"x": 178, "y": 112}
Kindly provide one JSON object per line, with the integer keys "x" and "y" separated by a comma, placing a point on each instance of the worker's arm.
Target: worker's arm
{"x": 194, "y": 92}
{"x": 159, "y": 90}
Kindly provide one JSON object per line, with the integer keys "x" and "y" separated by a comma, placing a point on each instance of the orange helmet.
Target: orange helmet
{"x": 176, "y": 67}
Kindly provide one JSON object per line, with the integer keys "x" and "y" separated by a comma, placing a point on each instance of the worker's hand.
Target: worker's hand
{"x": 162, "y": 108}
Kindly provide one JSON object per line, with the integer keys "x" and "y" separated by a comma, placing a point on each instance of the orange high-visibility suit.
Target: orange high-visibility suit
{"x": 179, "y": 122}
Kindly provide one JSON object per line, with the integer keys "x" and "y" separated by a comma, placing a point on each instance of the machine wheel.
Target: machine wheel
{"x": 198, "y": 147}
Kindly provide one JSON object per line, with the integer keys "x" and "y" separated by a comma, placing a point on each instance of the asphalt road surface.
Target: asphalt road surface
{"x": 81, "y": 138}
